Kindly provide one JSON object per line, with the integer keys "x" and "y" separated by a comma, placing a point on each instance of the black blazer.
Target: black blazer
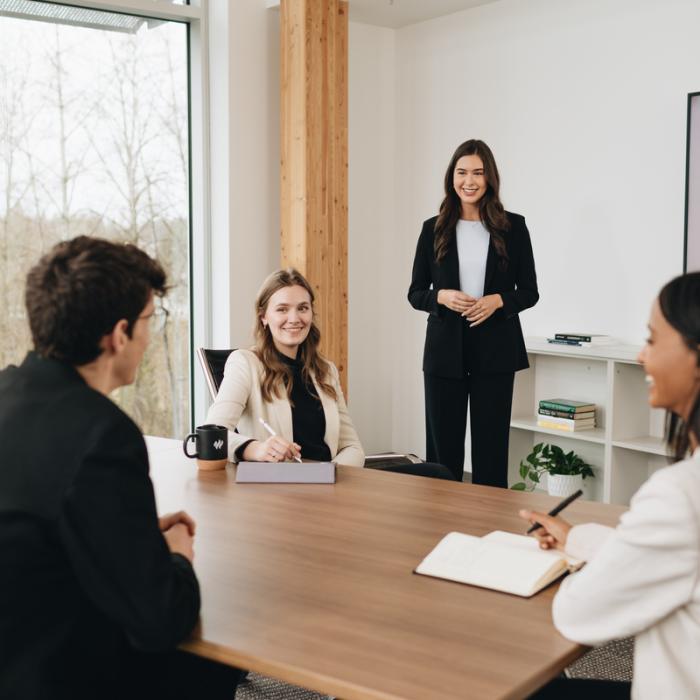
{"x": 498, "y": 342}
{"x": 86, "y": 576}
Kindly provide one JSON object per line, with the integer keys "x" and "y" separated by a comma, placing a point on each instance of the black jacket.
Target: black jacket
{"x": 498, "y": 342}
{"x": 86, "y": 576}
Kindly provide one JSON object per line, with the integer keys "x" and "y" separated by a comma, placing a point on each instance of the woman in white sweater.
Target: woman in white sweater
{"x": 643, "y": 577}
{"x": 285, "y": 381}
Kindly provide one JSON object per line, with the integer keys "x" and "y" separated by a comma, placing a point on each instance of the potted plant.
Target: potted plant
{"x": 565, "y": 470}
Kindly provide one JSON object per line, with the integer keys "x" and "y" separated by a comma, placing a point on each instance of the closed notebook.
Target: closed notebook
{"x": 285, "y": 472}
{"x": 500, "y": 560}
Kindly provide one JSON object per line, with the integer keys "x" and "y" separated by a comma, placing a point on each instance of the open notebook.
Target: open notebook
{"x": 500, "y": 560}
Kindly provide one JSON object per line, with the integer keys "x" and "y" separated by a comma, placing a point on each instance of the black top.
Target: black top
{"x": 498, "y": 344}
{"x": 308, "y": 418}
{"x": 87, "y": 577}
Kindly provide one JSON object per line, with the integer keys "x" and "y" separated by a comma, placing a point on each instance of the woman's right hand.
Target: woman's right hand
{"x": 455, "y": 300}
{"x": 274, "y": 449}
{"x": 553, "y": 532}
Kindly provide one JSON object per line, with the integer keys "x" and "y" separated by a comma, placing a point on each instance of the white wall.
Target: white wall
{"x": 244, "y": 78}
{"x": 584, "y": 105}
{"x": 371, "y": 223}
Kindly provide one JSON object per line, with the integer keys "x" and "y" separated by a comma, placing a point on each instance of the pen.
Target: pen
{"x": 558, "y": 508}
{"x": 273, "y": 433}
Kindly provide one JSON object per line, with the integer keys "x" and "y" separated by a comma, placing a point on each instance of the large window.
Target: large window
{"x": 94, "y": 140}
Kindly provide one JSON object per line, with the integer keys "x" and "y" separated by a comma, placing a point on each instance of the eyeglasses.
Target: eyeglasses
{"x": 157, "y": 318}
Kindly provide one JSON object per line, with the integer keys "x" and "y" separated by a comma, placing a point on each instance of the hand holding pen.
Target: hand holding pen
{"x": 551, "y": 531}
{"x": 277, "y": 453}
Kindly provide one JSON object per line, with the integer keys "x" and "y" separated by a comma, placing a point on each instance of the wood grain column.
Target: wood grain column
{"x": 314, "y": 168}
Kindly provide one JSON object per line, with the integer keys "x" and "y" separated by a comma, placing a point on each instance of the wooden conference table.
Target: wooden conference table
{"x": 313, "y": 584}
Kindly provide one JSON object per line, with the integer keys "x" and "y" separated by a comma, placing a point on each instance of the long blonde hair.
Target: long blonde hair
{"x": 276, "y": 374}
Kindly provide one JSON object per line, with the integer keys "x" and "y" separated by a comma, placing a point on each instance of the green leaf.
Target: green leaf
{"x": 520, "y": 486}
{"x": 523, "y": 470}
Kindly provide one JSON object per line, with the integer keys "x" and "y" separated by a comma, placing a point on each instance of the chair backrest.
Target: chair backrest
{"x": 213, "y": 363}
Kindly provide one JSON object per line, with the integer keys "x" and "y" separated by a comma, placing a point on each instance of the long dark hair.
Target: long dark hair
{"x": 679, "y": 301}
{"x": 276, "y": 374}
{"x": 491, "y": 211}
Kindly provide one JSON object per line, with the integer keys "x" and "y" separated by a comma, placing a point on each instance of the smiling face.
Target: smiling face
{"x": 288, "y": 315}
{"x": 671, "y": 366}
{"x": 470, "y": 184}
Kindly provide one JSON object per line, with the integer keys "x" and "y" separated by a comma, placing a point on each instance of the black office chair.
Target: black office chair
{"x": 213, "y": 363}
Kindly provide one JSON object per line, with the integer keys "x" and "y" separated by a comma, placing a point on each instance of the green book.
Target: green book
{"x": 567, "y": 405}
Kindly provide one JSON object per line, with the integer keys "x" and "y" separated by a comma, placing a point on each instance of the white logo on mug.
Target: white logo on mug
{"x": 219, "y": 444}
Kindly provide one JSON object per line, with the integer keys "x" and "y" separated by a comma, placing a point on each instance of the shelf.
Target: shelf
{"x": 621, "y": 352}
{"x": 623, "y": 449}
{"x": 643, "y": 443}
{"x": 527, "y": 423}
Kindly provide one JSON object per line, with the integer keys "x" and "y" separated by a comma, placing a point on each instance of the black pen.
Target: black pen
{"x": 558, "y": 509}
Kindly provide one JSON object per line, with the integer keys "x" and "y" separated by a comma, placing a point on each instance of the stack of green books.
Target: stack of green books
{"x": 566, "y": 415}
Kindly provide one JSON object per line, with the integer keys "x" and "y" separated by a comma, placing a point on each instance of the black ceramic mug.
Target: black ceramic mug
{"x": 211, "y": 443}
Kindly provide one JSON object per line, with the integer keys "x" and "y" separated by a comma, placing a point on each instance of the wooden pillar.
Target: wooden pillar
{"x": 314, "y": 168}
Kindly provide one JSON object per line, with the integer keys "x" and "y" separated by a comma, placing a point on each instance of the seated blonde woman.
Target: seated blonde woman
{"x": 285, "y": 381}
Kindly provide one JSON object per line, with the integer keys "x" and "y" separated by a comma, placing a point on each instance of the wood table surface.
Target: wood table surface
{"x": 314, "y": 585}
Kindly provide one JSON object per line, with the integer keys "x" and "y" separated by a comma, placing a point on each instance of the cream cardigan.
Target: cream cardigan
{"x": 240, "y": 405}
{"x": 643, "y": 579}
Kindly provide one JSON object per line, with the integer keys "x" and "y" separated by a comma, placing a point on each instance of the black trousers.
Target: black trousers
{"x": 583, "y": 689}
{"x": 446, "y": 401}
{"x": 434, "y": 471}
{"x": 178, "y": 675}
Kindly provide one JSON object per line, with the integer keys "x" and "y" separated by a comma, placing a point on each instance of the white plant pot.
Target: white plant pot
{"x": 563, "y": 485}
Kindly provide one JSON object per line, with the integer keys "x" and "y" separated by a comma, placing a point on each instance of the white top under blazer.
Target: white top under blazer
{"x": 643, "y": 579}
{"x": 472, "y": 251}
{"x": 240, "y": 405}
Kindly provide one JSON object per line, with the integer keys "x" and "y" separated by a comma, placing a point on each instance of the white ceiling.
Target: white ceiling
{"x": 400, "y": 13}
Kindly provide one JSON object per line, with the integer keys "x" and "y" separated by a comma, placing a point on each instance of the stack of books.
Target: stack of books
{"x": 582, "y": 340}
{"x": 566, "y": 415}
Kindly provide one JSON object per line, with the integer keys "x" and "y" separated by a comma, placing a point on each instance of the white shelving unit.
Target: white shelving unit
{"x": 627, "y": 445}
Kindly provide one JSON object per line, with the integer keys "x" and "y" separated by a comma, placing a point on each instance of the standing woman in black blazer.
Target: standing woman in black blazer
{"x": 473, "y": 273}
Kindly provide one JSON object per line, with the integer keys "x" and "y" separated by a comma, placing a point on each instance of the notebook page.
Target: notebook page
{"x": 479, "y": 562}
{"x": 530, "y": 543}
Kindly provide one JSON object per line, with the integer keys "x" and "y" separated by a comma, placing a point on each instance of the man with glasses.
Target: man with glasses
{"x": 96, "y": 591}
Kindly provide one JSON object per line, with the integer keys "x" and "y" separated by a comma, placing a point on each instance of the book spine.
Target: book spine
{"x": 555, "y": 412}
{"x": 553, "y": 405}
{"x": 568, "y": 428}
{"x": 565, "y": 414}
{"x": 571, "y": 336}
{"x": 568, "y": 421}
{"x": 555, "y": 426}
{"x": 564, "y": 341}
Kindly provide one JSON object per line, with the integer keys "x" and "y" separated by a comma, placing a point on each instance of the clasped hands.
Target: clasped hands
{"x": 178, "y": 530}
{"x": 476, "y": 311}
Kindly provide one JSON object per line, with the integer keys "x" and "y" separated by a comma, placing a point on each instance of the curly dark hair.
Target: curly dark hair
{"x": 81, "y": 288}
{"x": 679, "y": 302}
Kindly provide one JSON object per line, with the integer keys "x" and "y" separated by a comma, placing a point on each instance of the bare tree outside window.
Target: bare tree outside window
{"x": 94, "y": 141}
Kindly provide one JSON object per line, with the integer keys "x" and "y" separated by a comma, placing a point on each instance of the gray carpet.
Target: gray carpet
{"x": 611, "y": 662}
{"x": 256, "y": 687}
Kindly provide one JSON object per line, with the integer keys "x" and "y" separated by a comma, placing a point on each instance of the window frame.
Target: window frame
{"x": 200, "y": 243}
